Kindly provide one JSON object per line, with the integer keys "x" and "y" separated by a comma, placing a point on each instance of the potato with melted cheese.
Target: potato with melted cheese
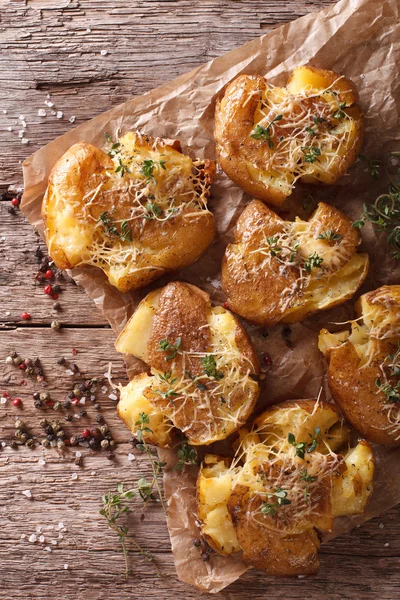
{"x": 364, "y": 366}
{"x": 269, "y": 137}
{"x": 202, "y": 367}
{"x": 281, "y": 271}
{"x": 136, "y": 212}
{"x": 284, "y": 487}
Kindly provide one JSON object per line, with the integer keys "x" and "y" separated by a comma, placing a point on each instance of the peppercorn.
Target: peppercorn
{"x": 44, "y": 396}
{"x": 9, "y": 360}
{"x": 67, "y": 403}
{"x": 99, "y": 419}
{"x": 45, "y": 442}
{"x": 112, "y": 443}
{"x": 60, "y": 444}
{"x": 75, "y": 368}
{"x": 17, "y": 361}
{"x": 51, "y": 437}
{"x": 23, "y": 437}
{"x": 56, "y": 426}
{"x": 19, "y": 424}
{"x": 38, "y": 403}
{"x": 30, "y": 371}
{"x": 56, "y": 288}
{"x": 57, "y": 306}
{"x": 110, "y": 455}
{"x": 68, "y": 417}
{"x": 79, "y": 461}
{"x": 104, "y": 443}
{"x": 43, "y": 422}
{"x": 83, "y": 413}
{"x": 197, "y": 543}
{"x": 104, "y": 429}
{"x": 60, "y": 433}
{"x": 71, "y": 395}
{"x": 93, "y": 443}
{"x": 61, "y": 361}
{"x": 30, "y": 443}
{"x": 48, "y": 429}
{"x": 77, "y": 392}
{"x": 73, "y": 440}
{"x": 205, "y": 556}
{"x": 13, "y": 445}
{"x": 97, "y": 406}
{"x": 55, "y": 325}
{"x": 17, "y": 402}
{"x": 18, "y": 433}
{"x": 57, "y": 406}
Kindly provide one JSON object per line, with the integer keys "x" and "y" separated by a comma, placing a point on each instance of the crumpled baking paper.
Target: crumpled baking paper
{"x": 359, "y": 38}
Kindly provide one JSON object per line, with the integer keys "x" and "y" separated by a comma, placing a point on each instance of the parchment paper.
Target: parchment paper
{"x": 359, "y": 38}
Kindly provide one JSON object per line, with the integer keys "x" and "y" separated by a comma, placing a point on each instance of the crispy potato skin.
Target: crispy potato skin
{"x": 266, "y": 549}
{"x": 255, "y": 289}
{"x": 235, "y": 118}
{"x": 166, "y": 245}
{"x": 183, "y": 312}
{"x": 352, "y": 381}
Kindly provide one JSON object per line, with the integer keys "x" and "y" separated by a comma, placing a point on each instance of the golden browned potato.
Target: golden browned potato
{"x": 269, "y": 137}
{"x": 202, "y": 367}
{"x": 136, "y": 212}
{"x": 284, "y": 487}
{"x": 364, "y": 366}
{"x": 280, "y": 270}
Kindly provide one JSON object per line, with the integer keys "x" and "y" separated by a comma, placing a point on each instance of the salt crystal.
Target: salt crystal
{"x": 8, "y": 313}
{"x": 66, "y": 566}
{"x": 47, "y": 548}
{"x": 27, "y": 493}
{"x": 41, "y": 462}
{"x": 9, "y": 128}
{"x": 3, "y": 444}
{"x": 113, "y": 397}
{"x": 82, "y": 401}
{"x": 71, "y": 119}
{"x": 104, "y": 389}
{"x": 74, "y": 476}
{"x": 32, "y": 538}
{"x": 60, "y": 525}
{"x": 24, "y": 124}
{"x": 54, "y": 542}
{"x": 21, "y": 133}
{"x": 3, "y": 400}
{"x": 69, "y": 372}
{"x": 78, "y": 454}
{"x": 24, "y": 141}
{"x": 23, "y": 536}
{"x": 131, "y": 456}
{"x": 76, "y": 416}
{"x": 53, "y": 112}
{"x": 104, "y": 52}
{"x": 93, "y": 473}
{"x": 41, "y": 112}
{"x": 59, "y": 114}
{"x": 60, "y": 536}
{"x": 5, "y": 112}
{"x": 88, "y": 30}
{"x": 49, "y": 104}
{"x": 92, "y": 398}
{"x": 362, "y": 76}
{"x": 38, "y": 529}
{"x": 21, "y": 117}
{"x": 41, "y": 539}
{"x": 381, "y": 526}
{"x": 387, "y": 545}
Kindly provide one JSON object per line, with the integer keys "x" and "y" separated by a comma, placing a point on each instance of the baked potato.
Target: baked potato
{"x": 364, "y": 366}
{"x": 281, "y": 271}
{"x": 136, "y": 211}
{"x": 268, "y": 137}
{"x": 285, "y": 485}
{"x": 202, "y": 367}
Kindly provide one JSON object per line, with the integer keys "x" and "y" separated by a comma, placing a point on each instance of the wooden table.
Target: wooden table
{"x": 89, "y": 56}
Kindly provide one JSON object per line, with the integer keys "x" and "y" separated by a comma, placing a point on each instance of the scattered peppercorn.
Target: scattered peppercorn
{"x": 17, "y": 402}
{"x": 55, "y": 325}
{"x": 97, "y": 406}
{"x": 267, "y": 360}
{"x": 15, "y": 202}
{"x": 57, "y": 306}
{"x": 86, "y": 433}
{"x": 68, "y": 417}
{"x": 197, "y": 543}
{"x": 99, "y": 419}
{"x": 83, "y": 413}
{"x": 205, "y": 556}
{"x": 61, "y": 361}
{"x": 48, "y": 290}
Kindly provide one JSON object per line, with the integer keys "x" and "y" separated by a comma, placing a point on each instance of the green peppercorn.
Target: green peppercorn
{"x": 23, "y": 437}
{"x": 18, "y": 433}
{"x": 55, "y": 325}
{"x": 30, "y": 443}
{"x": 45, "y": 442}
{"x": 44, "y": 396}
{"x": 60, "y": 433}
{"x": 43, "y": 422}
{"x": 104, "y": 443}
{"x": 19, "y": 424}
{"x": 57, "y": 406}
{"x": 60, "y": 444}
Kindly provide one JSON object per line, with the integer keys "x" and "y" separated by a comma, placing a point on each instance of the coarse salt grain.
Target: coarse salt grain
{"x": 32, "y": 538}
{"x": 74, "y": 476}
{"x": 104, "y": 52}
{"x": 381, "y": 526}
{"x": 93, "y": 473}
{"x": 21, "y": 133}
{"x": 54, "y": 542}
{"x": 131, "y": 456}
{"x": 82, "y": 401}
{"x": 9, "y": 128}
{"x": 69, "y": 372}
{"x": 113, "y": 397}
{"x": 24, "y": 141}
{"x": 23, "y": 536}
{"x": 41, "y": 539}
{"x": 41, "y": 462}
{"x": 60, "y": 525}
{"x": 387, "y": 545}
{"x": 48, "y": 103}
{"x": 27, "y": 493}
{"x": 60, "y": 536}
{"x": 66, "y": 566}
{"x": 72, "y": 119}
{"x": 3, "y": 400}
{"x": 104, "y": 389}
{"x": 59, "y": 114}
{"x": 24, "y": 124}
{"x": 47, "y": 548}
{"x": 78, "y": 454}
{"x": 3, "y": 444}
{"x": 5, "y": 112}
{"x": 38, "y": 529}
{"x": 21, "y": 117}
{"x": 92, "y": 398}
{"x": 41, "y": 112}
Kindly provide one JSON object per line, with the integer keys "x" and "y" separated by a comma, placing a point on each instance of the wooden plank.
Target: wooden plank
{"x": 20, "y": 292}
{"x": 55, "y": 47}
{"x": 362, "y": 559}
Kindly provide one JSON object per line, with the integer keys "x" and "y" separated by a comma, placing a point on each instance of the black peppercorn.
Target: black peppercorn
{"x": 61, "y": 361}
{"x": 50, "y": 437}
{"x": 93, "y": 443}
{"x": 205, "y": 556}
{"x": 197, "y": 543}
{"x": 48, "y": 429}
{"x": 71, "y": 395}
{"x": 99, "y": 419}
{"x": 67, "y": 403}
{"x": 38, "y": 404}
{"x": 36, "y": 395}
{"x": 68, "y": 417}
{"x": 83, "y": 413}
{"x": 97, "y": 406}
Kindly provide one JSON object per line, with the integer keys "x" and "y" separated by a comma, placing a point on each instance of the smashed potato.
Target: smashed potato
{"x": 269, "y": 137}
{"x": 281, "y": 271}
{"x": 285, "y": 485}
{"x": 136, "y": 212}
{"x": 364, "y": 366}
{"x": 202, "y": 366}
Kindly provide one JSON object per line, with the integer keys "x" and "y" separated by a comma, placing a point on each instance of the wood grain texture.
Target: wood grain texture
{"x": 54, "y": 46}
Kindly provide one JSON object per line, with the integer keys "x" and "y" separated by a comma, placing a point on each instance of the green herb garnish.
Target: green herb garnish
{"x": 108, "y": 223}
{"x": 187, "y": 455}
{"x": 330, "y": 236}
{"x": 313, "y": 262}
{"x": 166, "y": 346}
{"x": 311, "y": 153}
{"x": 270, "y": 508}
{"x": 126, "y": 233}
{"x": 153, "y": 211}
{"x": 264, "y": 133}
{"x": 209, "y": 365}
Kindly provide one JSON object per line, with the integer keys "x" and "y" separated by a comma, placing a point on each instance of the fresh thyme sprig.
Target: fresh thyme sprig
{"x": 330, "y": 236}
{"x": 172, "y": 349}
{"x": 264, "y": 133}
{"x": 374, "y": 166}
{"x": 311, "y": 153}
{"x": 209, "y": 365}
{"x": 108, "y": 223}
{"x": 115, "y": 505}
{"x": 313, "y": 262}
{"x": 156, "y": 465}
{"x": 384, "y": 215}
{"x": 187, "y": 455}
{"x": 303, "y": 447}
{"x": 270, "y": 508}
